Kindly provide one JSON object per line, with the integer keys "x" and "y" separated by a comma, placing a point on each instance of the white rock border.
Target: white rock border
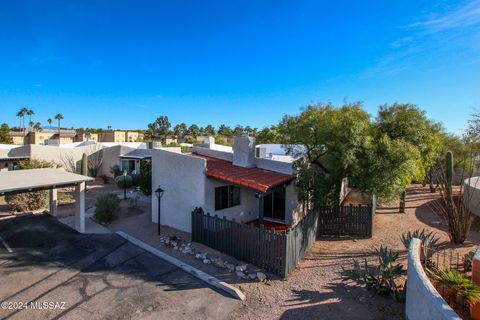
{"x": 211, "y": 280}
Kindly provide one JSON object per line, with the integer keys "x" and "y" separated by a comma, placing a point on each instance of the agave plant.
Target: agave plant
{"x": 429, "y": 244}
{"x": 381, "y": 278}
{"x": 455, "y": 284}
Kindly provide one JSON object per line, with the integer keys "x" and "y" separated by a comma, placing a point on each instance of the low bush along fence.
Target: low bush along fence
{"x": 279, "y": 253}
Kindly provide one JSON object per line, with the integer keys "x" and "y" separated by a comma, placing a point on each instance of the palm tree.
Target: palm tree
{"x": 37, "y": 126}
{"x": 30, "y": 113}
{"x": 30, "y": 124}
{"x": 20, "y": 115}
{"x": 59, "y": 117}
{"x": 24, "y": 111}
{"x": 50, "y": 122}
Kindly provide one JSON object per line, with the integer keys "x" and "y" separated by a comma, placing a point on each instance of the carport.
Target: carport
{"x": 29, "y": 180}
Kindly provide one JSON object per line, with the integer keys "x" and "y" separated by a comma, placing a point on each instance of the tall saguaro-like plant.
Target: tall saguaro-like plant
{"x": 453, "y": 204}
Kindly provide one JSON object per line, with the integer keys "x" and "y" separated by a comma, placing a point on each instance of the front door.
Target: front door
{"x": 274, "y": 204}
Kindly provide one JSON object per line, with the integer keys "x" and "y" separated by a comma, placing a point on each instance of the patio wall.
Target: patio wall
{"x": 471, "y": 194}
{"x": 246, "y": 211}
{"x": 423, "y": 300}
{"x": 183, "y": 179}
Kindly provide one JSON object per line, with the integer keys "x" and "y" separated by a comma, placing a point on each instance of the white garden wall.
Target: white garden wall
{"x": 183, "y": 179}
{"x": 423, "y": 300}
{"x": 471, "y": 194}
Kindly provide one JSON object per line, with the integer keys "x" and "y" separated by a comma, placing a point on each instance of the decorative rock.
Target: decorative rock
{"x": 206, "y": 261}
{"x": 174, "y": 243}
{"x": 175, "y": 248}
{"x": 219, "y": 263}
{"x": 252, "y": 276}
{"x": 230, "y": 267}
{"x": 261, "y": 276}
{"x": 241, "y": 268}
{"x": 241, "y": 275}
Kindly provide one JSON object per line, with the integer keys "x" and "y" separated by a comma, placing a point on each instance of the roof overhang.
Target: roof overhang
{"x": 19, "y": 181}
{"x": 260, "y": 180}
{"x": 14, "y": 158}
{"x": 126, "y": 156}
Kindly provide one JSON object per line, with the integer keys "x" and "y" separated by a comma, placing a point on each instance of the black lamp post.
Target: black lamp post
{"x": 125, "y": 185}
{"x": 159, "y": 194}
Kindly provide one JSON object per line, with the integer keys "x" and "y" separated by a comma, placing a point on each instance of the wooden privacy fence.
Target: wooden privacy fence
{"x": 278, "y": 253}
{"x": 355, "y": 221}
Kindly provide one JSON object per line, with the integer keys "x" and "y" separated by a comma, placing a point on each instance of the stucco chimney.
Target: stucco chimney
{"x": 244, "y": 152}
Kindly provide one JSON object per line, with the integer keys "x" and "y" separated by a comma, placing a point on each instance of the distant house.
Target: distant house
{"x": 18, "y": 137}
{"x": 131, "y": 162}
{"x": 43, "y": 137}
{"x": 232, "y": 183}
{"x": 86, "y": 136}
{"x": 120, "y": 136}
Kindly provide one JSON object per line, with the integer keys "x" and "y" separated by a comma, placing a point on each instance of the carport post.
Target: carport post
{"x": 53, "y": 202}
{"x": 80, "y": 207}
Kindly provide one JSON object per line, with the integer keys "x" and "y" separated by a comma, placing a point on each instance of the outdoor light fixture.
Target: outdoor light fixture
{"x": 125, "y": 185}
{"x": 159, "y": 194}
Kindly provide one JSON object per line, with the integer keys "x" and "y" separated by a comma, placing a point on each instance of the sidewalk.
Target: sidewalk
{"x": 142, "y": 228}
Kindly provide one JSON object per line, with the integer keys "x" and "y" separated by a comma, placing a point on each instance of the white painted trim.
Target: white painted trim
{"x": 211, "y": 280}
{"x": 6, "y": 245}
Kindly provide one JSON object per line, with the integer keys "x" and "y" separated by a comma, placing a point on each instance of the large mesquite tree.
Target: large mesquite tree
{"x": 333, "y": 143}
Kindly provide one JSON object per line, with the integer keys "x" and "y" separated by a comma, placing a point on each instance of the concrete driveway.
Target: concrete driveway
{"x": 72, "y": 276}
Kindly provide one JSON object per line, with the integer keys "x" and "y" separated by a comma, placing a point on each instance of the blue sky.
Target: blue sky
{"x": 123, "y": 63}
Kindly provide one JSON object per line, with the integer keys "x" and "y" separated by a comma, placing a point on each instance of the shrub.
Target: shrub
{"x": 27, "y": 201}
{"x": 36, "y": 164}
{"x": 381, "y": 278}
{"x": 30, "y": 200}
{"x": 124, "y": 182}
{"x": 105, "y": 179}
{"x": 106, "y": 208}
{"x": 455, "y": 284}
{"x": 146, "y": 177}
{"x": 429, "y": 244}
{"x": 115, "y": 170}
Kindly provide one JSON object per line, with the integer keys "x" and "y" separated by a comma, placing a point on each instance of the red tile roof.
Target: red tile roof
{"x": 253, "y": 178}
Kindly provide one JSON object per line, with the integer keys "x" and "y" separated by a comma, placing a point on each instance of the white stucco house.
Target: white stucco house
{"x": 234, "y": 184}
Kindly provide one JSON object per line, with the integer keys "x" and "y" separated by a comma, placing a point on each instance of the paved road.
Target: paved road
{"x": 95, "y": 277}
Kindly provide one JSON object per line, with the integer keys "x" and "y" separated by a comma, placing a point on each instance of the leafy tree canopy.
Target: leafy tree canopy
{"x": 268, "y": 135}
{"x": 5, "y": 136}
{"x": 225, "y": 131}
{"x": 210, "y": 130}
{"x": 409, "y": 123}
{"x": 380, "y": 157}
{"x": 158, "y": 129}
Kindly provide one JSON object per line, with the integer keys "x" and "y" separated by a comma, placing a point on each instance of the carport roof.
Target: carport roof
{"x": 17, "y": 181}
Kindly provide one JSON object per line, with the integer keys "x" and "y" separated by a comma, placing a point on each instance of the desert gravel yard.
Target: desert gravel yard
{"x": 95, "y": 277}
{"x": 315, "y": 290}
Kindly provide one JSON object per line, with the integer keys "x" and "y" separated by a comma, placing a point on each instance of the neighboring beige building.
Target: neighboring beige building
{"x": 86, "y": 136}
{"x": 50, "y": 137}
{"x": 112, "y": 136}
{"x": 131, "y": 136}
{"x": 18, "y": 137}
{"x": 120, "y": 136}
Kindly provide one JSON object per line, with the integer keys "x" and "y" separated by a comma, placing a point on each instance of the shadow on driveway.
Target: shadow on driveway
{"x": 97, "y": 276}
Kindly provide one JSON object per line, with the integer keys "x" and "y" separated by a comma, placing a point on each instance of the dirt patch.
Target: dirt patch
{"x": 315, "y": 289}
